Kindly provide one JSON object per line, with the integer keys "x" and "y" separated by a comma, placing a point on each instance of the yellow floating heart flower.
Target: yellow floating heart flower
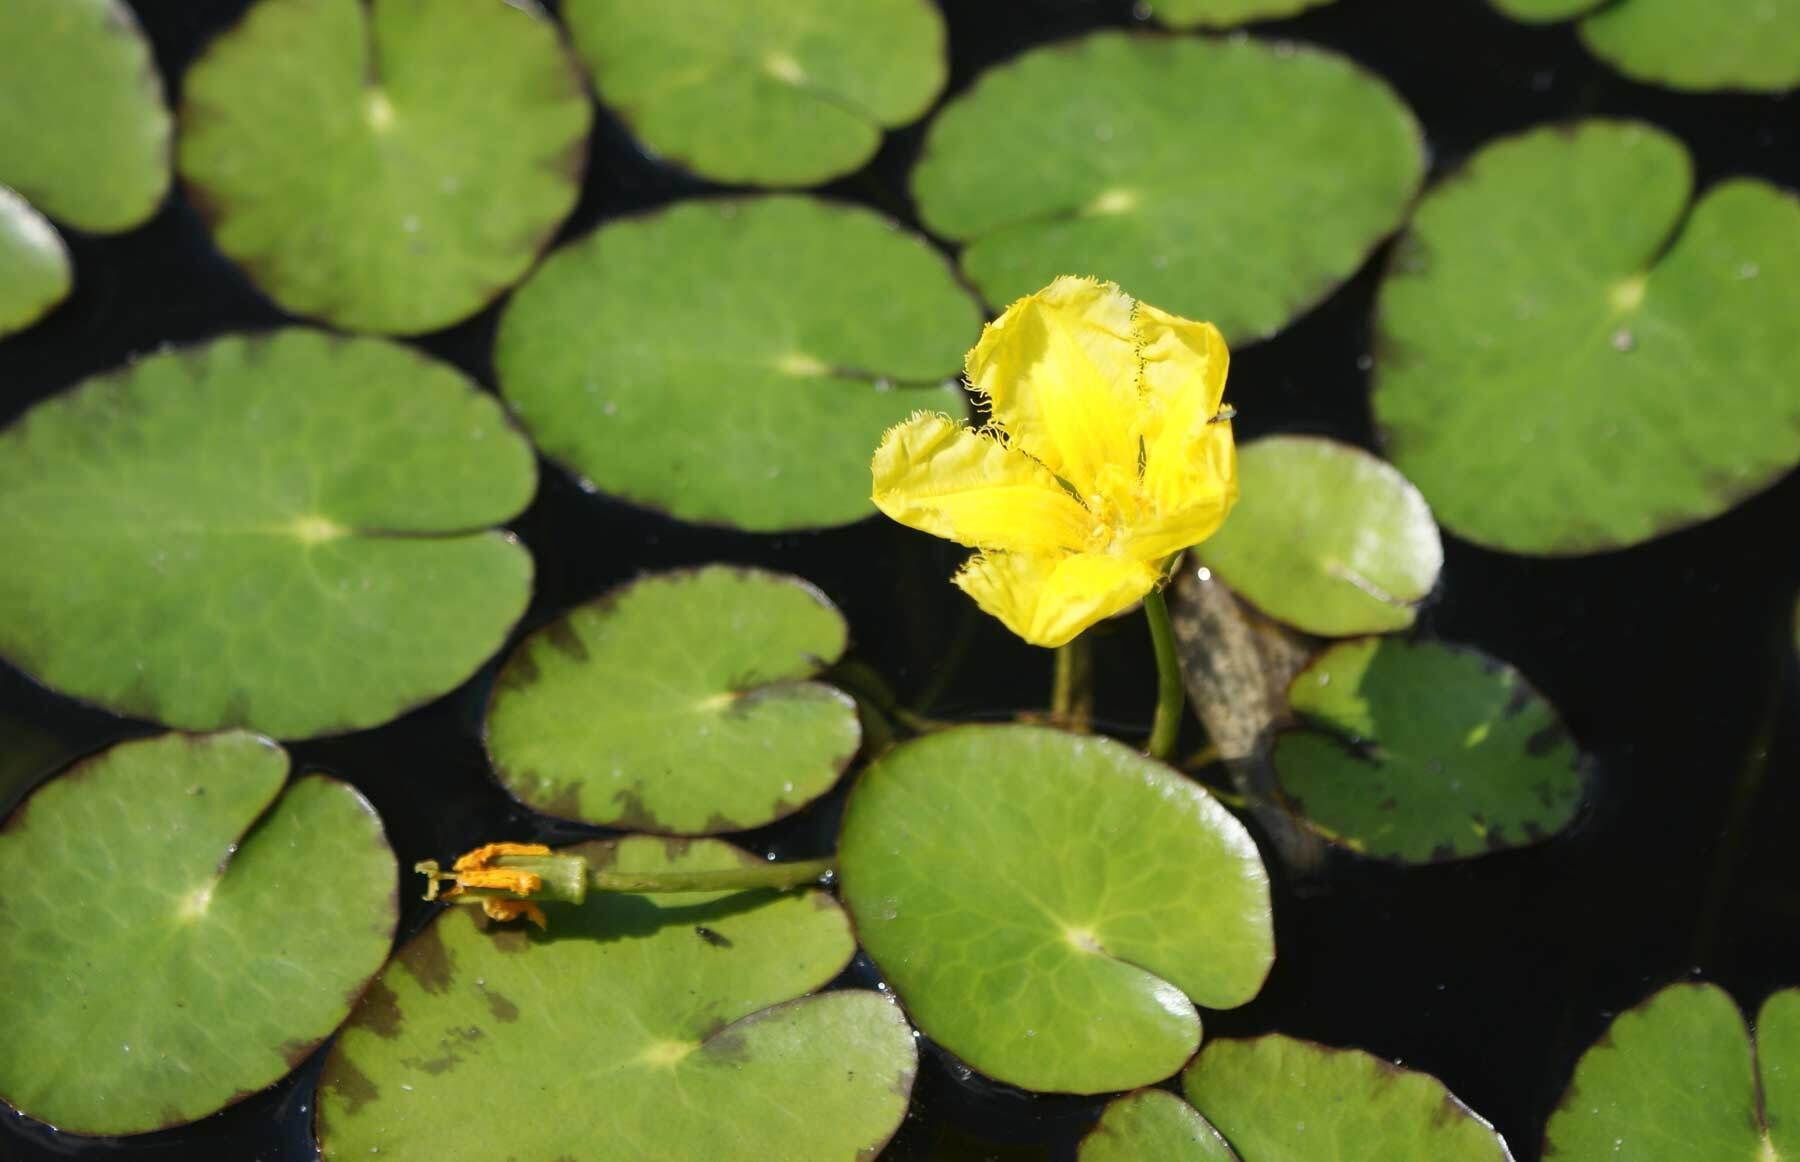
{"x": 1106, "y": 453}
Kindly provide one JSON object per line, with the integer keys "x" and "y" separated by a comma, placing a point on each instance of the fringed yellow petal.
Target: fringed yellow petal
{"x": 1180, "y": 357}
{"x": 1060, "y": 369}
{"x": 1191, "y": 499}
{"x": 1048, "y": 600}
{"x": 933, "y": 474}
{"x": 1184, "y": 377}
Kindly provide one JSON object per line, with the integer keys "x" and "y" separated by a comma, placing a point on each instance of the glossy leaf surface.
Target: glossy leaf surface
{"x": 783, "y": 94}
{"x": 1176, "y": 167}
{"x": 735, "y": 362}
{"x": 680, "y": 703}
{"x": 1051, "y": 907}
{"x": 1153, "y": 1123}
{"x": 385, "y": 165}
{"x": 1278, "y": 1099}
{"x": 1572, "y": 358}
{"x": 84, "y": 135}
{"x": 34, "y": 264}
{"x": 662, "y": 1026}
{"x": 287, "y": 531}
{"x": 1678, "y": 1078}
{"x": 1425, "y": 752}
{"x": 183, "y": 926}
{"x": 1326, "y": 538}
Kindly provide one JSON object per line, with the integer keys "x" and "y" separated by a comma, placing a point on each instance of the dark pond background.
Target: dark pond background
{"x": 1673, "y": 663}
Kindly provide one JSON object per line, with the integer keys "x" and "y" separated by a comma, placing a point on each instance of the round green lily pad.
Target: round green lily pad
{"x": 679, "y": 704}
{"x": 1050, "y": 907}
{"x": 183, "y": 926}
{"x": 34, "y": 264}
{"x": 1571, "y": 359}
{"x": 385, "y": 165}
{"x": 85, "y": 133}
{"x": 287, "y": 532}
{"x": 1326, "y": 538}
{"x": 1721, "y": 44}
{"x": 646, "y": 1027}
{"x": 1153, "y": 1123}
{"x": 786, "y": 94}
{"x": 1177, "y": 166}
{"x": 1425, "y": 752}
{"x": 1677, "y": 1079}
{"x": 1225, "y": 13}
{"x": 1278, "y": 1099}
{"x": 735, "y": 362}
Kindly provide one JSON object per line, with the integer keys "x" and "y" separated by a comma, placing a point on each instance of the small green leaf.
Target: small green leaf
{"x": 287, "y": 532}
{"x": 389, "y": 165}
{"x": 1721, "y": 44}
{"x": 1572, "y": 359}
{"x": 1676, "y": 1080}
{"x": 678, "y": 704}
{"x": 735, "y": 362}
{"x": 181, "y": 930}
{"x": 85, "y": 133}
{"x": 662, "y": 1027}
{"x": 34, "y": 264}
{"x": 1176, "y": 166}
{"x": 784, "y": 94}
{"x": 1426, "y": 752}
{"x": 1153, "y": 1123}
{"x": 1277, "y": 1099}
{"x": 1224, "y": 13}
{"x": 1050, "y": 907}
{"x": 1326, "y": 538}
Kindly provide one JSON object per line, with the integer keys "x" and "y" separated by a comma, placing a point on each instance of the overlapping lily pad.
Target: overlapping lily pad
{"x": 85, "y": 135}
{"x": 735, "y": 362}
{"x": 1051, "y": 907}
{"x": 1573, "y": 359}
{"x": 1678, "y": 1079}
{"x": 680, "y": 703}
{"x": 1425, "y": 752}
{"x": 386, "y": 165}
{"x": 183, "y": 925}
{"x": 1326, "y": 538}
{"x": 34, "y": 264}
{"x": 1177, "y": 167}
{"x": 775, "y": 94}
{"x": 1278, "y": 1099}
{"x": 1225, "y": 13}
{"x": 1722, "y": 44}
{"x": 287, "y": 532}
{"x": 662, "y": 1027}
{"x": 1153, "y": 1123}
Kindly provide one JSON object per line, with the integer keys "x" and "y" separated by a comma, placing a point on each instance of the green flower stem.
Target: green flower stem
{"x": 566, "y": 878}
{"x": 800, "y": 873}
{"x": 1167, "y": 724}
{"x": 1071, "y": 699}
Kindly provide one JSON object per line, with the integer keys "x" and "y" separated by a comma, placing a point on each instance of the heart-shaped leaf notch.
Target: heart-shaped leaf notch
{"x": 681, "y": 703}
{"x": 1425, "y": 752}
{"x": 675, "y": 1026}
{"x": 183, "y": 925}
{"x": 1052, "y": 907}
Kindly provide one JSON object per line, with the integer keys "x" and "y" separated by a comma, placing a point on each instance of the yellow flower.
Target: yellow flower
{"x": 1106, "y": 453}
{"x": 476, "y": 869}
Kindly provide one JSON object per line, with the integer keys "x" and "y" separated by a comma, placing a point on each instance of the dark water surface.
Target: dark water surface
{"x": 1673, "y": 663}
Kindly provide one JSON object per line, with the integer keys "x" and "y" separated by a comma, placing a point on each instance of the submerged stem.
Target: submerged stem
{"x": 1166, "y": 726}
{"x": 1071, "y": 695}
